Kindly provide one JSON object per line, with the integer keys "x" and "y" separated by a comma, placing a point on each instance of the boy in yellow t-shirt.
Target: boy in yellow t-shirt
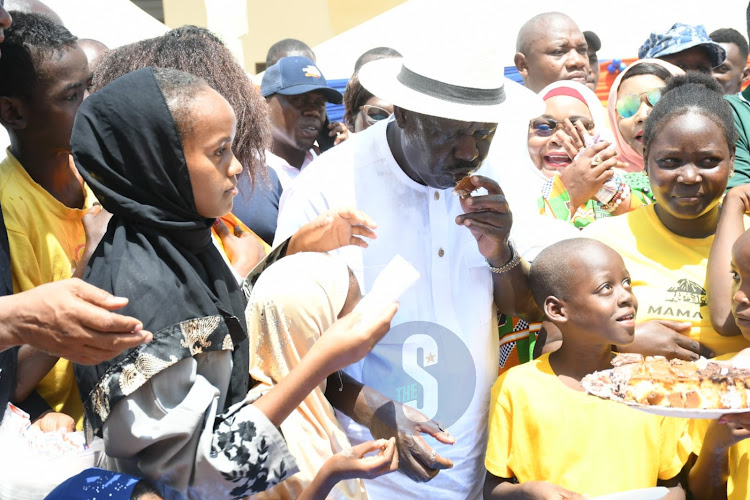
{"x": 548, "y": 438}
{"x": 45, "y": 75}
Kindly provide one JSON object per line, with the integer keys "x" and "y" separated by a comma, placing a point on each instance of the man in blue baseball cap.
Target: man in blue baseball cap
{"x": 684, "y": 45}
{"x": 296, "y": 93}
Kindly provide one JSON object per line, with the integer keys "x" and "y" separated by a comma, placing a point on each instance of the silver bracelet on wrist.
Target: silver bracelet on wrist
{"x": 515, "y": 258}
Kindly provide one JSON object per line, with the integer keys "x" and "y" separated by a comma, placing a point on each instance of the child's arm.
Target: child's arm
{"x": 346, "y": 342}
{"x": 33, "y": 366}
{"x": 497, "y": 488}
{"x": 353, "y": 464}
{"x": 718, "y": 275}
{"x": 333, "y": 229}
{"x": 708, "y": 477}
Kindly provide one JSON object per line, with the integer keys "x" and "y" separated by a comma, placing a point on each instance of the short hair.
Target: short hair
{"x": 375, "y": 54}
{"x": 35, "y": 7}
{"x": 355, "y": 96}
{"x": 529, "y": 29}
{"x": 695, "y": 92}
{"x": 189, "y": 30}
{"x": 550, "y": 274}
{"x": 283, "y": 47}
{"x": 182, "y": 49}
{"x": 731, "y": 35}
{"x": 144, "y": 488}
{"x": 179, "y": 89}
{"x": 28, "y": 41}
{"x": 657, "y": 70}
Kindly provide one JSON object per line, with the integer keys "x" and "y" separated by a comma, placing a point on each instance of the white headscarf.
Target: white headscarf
{"x": 509, "y": 163}
{"x": 294, "y": 301}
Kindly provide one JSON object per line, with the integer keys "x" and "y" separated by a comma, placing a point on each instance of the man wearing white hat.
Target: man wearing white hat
{"x": 441, "y": 355}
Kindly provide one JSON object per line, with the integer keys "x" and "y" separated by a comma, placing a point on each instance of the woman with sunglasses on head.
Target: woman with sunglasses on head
{"x": 580, "y": 173}
{"x": 631, "y": 98}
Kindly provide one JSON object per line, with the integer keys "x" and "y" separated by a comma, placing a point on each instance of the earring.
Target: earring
{"x": 731, "y": 174}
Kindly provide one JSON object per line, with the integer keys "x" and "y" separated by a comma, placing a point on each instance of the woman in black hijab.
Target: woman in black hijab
{"x": 155, "y": 147}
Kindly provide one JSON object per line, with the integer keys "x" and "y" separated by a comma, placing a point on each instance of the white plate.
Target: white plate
{"x": 644, "y": 494}
{"x": 605, "y": 392}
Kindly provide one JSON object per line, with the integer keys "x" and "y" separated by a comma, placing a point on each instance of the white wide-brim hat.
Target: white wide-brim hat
{"x": 475, "y": 91}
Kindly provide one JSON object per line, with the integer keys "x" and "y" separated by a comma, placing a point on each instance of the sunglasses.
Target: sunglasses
{"x": 545, "y": 127}
{"x": 374, "y": 114}
{"x": 629, "y": 105}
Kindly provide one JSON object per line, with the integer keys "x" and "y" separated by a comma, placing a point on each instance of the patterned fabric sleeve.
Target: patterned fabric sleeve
{"x": 640, "y": 189}
{"x": 170, "y": 430}
{"x": 555, "y": 200}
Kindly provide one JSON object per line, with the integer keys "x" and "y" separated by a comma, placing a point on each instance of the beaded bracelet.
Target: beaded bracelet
{"x": 622, "y": 191}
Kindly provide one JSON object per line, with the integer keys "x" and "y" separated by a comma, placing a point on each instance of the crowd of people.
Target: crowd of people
{"x": 187, "y": 256}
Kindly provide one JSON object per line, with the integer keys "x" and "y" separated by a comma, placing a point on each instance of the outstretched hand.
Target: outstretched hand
{"x": 355, "y": 462}
{"x": 489, "y": 219}
{"x": 73, "y": 320}
{"x": 417, "y": 460}
{"x": 333, "y": 229}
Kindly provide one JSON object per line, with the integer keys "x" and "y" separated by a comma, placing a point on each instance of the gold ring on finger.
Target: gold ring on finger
{"x": 596, "y": 160}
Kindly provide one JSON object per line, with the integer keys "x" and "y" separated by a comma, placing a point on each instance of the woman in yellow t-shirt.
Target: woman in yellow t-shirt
{"x": 689, "y": 156}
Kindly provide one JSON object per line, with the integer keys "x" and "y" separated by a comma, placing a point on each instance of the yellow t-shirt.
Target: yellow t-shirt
{"x": 668, "y": 273}
{"x": 46, "y": 243}
{"x": 542, "y": 430}
{"x": 738, "y": 484}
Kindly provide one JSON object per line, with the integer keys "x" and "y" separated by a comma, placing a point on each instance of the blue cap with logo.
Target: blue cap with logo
{"x": 681, "y": 37}
{"x": 296, "y": 75}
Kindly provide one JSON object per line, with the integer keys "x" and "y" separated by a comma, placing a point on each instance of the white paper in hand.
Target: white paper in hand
{"x": 397, "y": 277}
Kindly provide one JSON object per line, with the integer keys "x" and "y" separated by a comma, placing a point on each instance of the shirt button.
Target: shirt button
{"x": 441, "y": 252}
{"x": 437, "y": 195}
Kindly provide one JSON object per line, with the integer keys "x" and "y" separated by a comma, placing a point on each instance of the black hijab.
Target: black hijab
{"x": 157, "y": 250}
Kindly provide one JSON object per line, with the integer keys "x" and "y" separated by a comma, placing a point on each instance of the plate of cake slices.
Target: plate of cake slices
{"x": 673, "y": 388}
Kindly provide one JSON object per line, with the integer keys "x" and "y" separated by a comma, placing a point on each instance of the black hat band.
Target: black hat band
{"x": 451, "y": 93}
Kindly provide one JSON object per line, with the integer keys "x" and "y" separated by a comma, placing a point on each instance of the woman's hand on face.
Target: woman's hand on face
{"x": 331, "y": 230}
{"x": 666, "y": 338}
{"x": 350, "y": 339}
{"x": 586, "y": 174}
{"x": 579, "y": 136}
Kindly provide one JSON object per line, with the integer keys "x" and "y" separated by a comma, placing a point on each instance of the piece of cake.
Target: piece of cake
{"x": 702, "y": 384}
